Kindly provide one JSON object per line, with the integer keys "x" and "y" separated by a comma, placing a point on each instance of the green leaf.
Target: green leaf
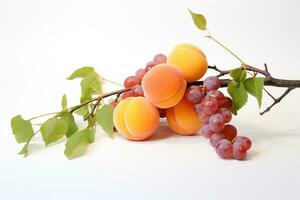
{"x": 89, "y": 85}
{"x": 238, "y": 94}
{"x": 104, "y": 117}
{"x": 22, "y": 129}
{"x": 64, "y": 102}
{"x": 81, "y": 72}
{"x": 238, "y": 74}
{"x": 254, "y": 86}
{"x": 77, "y": 144}
{"x": 69, "y": 120}
{"x": 83, "y": 111}
{"x": 24, "y": 150}
{"x": 199, "y": 20}
{"x": 53, "y": 129}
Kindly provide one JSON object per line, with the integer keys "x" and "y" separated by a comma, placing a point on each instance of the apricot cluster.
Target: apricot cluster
{"x": 160, "y": 90}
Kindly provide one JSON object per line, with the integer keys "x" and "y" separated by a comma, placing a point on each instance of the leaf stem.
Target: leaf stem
{"x": 43, "y": 115}
{"x": 113, "y": 82}
{"x": 226, "y": 48}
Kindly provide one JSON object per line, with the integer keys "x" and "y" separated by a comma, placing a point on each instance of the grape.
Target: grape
{"x": 217, "y": 95}
{"x": 210, "y": 105}
{"x": 239, "y": 152}
{"x": 229, "y": 132}
{"x": 140, "y": 74}
{"x": 127, "y": 94}
{"x": 199, "y": 109}
{"x": 160, "y": 58}
{"x": 137, "y": 91}
{"x": 216, "y": 122}
{"x": 224, "y": 149}
{"x": 131, "y": 81}
{"x": 194, "y": 94}
{"x": 227, "y": 103}
{"x": 204, "y": 118}
{"x": 244, "y": 141}
{"x": 206, "y": 131}
{"x": 215, "y": 138}
{"x": 150, "y": 65}
{"x": 226, "y": 114}
{"x": 212, "y": 83}
{"x": 162, "y": 113}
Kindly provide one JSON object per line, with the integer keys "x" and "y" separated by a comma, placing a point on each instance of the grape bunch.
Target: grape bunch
{"x": 214, "y": 110}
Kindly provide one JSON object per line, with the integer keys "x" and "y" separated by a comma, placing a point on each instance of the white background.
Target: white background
{"x": 42, "y": 42}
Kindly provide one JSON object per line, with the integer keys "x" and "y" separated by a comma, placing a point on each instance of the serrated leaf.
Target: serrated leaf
{"x": 254, "y": 86}
{"x": 104, "y": 117}
{"x": 71, "y": 125}
{"x": 64, "y": 102}
{"x": 53, "y": 129}
{"x": 22, "y": 129}
{"x": 77, "y": 144}
{"x": 238, "y": 74}
{"x": 199, "y": 20}
{"x": 81, "y": 72}
{"x": 91, "y": 84}
{"x": 238, "y": 94}
{"x": 24, "y": 150}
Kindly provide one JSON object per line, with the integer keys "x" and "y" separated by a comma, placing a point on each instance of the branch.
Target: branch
{"x": 268, "y": 81}
{"x": 276, "y": 101}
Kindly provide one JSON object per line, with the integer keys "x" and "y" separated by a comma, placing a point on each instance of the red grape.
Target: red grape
{"x": 224, "y": 149}
{"x": 216, "y": 122}
{"x": 140, "y": 74}
{"x": 127, "y": 94}
{"x": 205, "y": 131}
{"x": 137, "y": 91}
{"x": 227, "y": 103}
{"x": 194, "y": 94}
{"x": 215, "y": 138}
{"x": 229, "y": 132}
{"x": 217, "y": 95}
{"x": 131, "y": 81}
{"x": 150, "y": 65}
{"x": 210, "y": 105}
{"x": 212, "y": 83}
{"x": 160, "y": 58}
{"x": 204, "y": 118}
{"x": 162, "y": 113}
{"x": 226, "y": 114}
{"x": 239, "y": 152}
{"x": 244, "y": 141}
{"x": 199, "y": 109}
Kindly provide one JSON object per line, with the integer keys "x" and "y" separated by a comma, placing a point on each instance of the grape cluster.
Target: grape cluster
{"x": 214, "y": 110}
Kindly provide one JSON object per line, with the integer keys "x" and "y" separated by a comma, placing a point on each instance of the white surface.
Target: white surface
{"x": 42, "y": 42}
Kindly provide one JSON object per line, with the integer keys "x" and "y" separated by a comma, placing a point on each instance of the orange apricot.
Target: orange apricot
{"x": 183, "y": 118}
{"x": 135, "y": 118}
{"x": 190, "y": 60}
{"x": 164, "y": 85}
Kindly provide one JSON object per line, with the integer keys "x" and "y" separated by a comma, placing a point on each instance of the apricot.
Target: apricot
{"x": 190, "y": 60}
{"x": 183, "y": 118}
{"x": 164, "y": 85}
{"x": 135, "y": 118}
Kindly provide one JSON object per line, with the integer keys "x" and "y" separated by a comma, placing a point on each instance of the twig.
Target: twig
{"x": 269, "y": 93}
{"x": 276, "y": 101}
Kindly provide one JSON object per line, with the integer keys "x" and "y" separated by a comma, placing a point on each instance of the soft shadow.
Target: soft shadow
{"x": 162, "y": 132}
{"x": 35, "y": 147}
